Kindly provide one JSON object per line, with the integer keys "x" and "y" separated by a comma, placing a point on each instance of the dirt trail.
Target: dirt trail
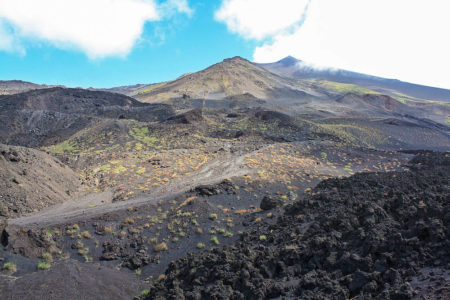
{"x": 97, "y": 204}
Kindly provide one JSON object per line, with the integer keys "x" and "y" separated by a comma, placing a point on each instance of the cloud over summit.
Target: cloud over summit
{"x": 404, "y": 39}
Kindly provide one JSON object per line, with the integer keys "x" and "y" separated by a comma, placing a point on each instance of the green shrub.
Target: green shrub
{"x": 215, "y": 240}
{"x": 161, "y": 247}
{"x": 43, "y": 266}
{"x": 228, "y": 234}
{"x": 86, "y": 234}
{"x": 10, "y": 266}
{"x": 47, "y": 257}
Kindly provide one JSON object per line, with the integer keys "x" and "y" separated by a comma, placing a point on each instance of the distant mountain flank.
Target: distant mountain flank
{"x": 9, "y": 87}
{"x": 294, "y": 68}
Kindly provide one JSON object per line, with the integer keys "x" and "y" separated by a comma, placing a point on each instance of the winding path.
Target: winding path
{"x": 98, "y": 204}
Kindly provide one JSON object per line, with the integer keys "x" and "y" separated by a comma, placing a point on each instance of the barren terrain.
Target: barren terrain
{"x": 233, "y": 183}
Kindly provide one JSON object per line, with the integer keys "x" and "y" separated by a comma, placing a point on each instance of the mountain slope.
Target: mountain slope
{"x": 294, "y": 68}
{"x": 231, "y": 77}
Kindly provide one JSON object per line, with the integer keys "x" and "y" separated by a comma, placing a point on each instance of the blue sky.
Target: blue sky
{"x": 106, "y": 43}
{"x": 189, "y": 44}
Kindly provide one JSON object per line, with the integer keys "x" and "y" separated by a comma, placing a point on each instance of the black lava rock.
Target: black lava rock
{"x": 269, "y": 202}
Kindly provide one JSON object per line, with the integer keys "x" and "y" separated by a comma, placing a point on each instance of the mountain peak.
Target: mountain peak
{"x": 288, "y": 61}
{"x": 234, "y": 59}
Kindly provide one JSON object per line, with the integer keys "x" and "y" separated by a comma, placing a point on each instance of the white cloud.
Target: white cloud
{"x": 404, "y": 39}
{"x": 97, "y": 27}
{"x": 171, "y": 7}
{"x": 8, "y": 41}
{"x": 258, "y": 19}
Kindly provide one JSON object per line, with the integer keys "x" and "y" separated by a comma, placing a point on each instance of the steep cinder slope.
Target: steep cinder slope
{"x": 31, "y": 180}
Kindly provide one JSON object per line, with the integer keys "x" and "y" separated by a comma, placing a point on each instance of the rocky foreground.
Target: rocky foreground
{"x": 369, "y": 236}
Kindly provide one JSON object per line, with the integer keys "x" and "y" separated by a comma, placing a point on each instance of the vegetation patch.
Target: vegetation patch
{"x": 66, "y": 146}
{"x": 345, "y": 88}
{"x": 10, "y": 266}
{"x": 43, "y": 266}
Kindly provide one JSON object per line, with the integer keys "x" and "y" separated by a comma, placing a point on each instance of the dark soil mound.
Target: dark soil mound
{"x": 227, "y": 134}
{"x": 36, "y": 117}
{"x": 191, "y": 117}
{"x": 365, "y": 236}
{"x": 225, "y": 186}
{"x": 274, "y": 116}
{"x": 232, "y": 115}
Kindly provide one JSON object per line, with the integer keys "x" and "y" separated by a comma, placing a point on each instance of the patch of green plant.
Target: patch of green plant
{"x": 228, "y": 234}
{"x": 105, "y": 168}
{"x": 346, "y": 88}
{"x": 215, "y": 240}
{"x": 47, "y": 257}
{"x": 119, "y": 169}
{"x": 150, "y": 88}
{"x": 142, "y": 135}
{"x": 66, "y": 146}
{"x": 161, "y": 247}
{"x": 43, "y": 266}
{"x": 10, "y": 266}
{"x": 348, "y": 168}
{"x": 83, "y": 251}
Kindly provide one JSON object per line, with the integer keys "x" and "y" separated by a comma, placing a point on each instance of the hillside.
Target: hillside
{"x": 231, "y": 77}
{"x": 48, "y": 116}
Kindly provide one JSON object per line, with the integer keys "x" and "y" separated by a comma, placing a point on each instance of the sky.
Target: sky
{"x": 106, "y": 43}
